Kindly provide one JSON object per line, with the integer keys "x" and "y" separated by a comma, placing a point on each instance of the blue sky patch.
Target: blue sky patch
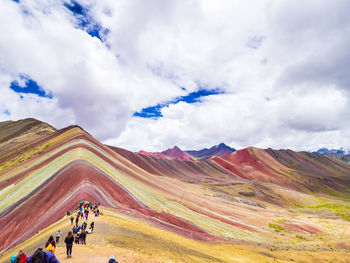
{"x": 6, "y": 112}
{"x": 151, "y": 112}
{"x": 30, "y": 87}
{"x": 85, "y": 21}
{"x": 155, "y": 111}
{"x": 75, "y": 8}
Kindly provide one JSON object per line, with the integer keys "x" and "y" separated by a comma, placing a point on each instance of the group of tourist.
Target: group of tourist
{"x": 77, "y": 235}
{"x": 41, "y": 256}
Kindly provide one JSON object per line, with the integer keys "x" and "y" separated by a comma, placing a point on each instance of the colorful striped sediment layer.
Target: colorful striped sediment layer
{"x": 225, "y": 198}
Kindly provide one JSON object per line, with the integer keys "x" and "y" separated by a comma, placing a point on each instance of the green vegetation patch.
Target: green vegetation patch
{"x": 344, "y": 194}
{"x": 276, "y": 227}
{"x": 337, "y": 209}
{"x": 22, "y": 158}
{"x": 293, "y": 165}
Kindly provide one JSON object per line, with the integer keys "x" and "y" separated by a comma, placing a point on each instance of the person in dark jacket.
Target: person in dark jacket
{"x": 82, "y": 237}
{"x": 41, "y": 256}
{"x": 69, "y": 243}
{"x": 112, "y": 259}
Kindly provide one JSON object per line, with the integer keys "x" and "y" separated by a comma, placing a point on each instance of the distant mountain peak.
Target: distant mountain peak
{"x": 174, "y": 153}
{"x": 339, "y": 154}
{"x": 177, "y": 154}
{"x": 217, "y": 150}
{"x": 331, "y": 151}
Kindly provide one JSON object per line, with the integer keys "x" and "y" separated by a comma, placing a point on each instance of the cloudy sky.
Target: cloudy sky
{"x": 154, "y": 74}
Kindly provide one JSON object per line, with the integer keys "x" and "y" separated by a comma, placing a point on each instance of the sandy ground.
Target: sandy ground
{"x": 130, "y": 240}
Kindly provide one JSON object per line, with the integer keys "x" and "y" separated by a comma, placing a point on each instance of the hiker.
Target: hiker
{"x": 51, "y": 245}
{"x": 50, "y": 241}
{"x": 41, "y": 256}
{"x": 76, "y": 239}
{"x": 76, "y": 229}
{"x": 69, "y": 243}
{"x": 71, "y": 220}
{"x": 83, "y": 226}
{"x": 77, "y": 219}
{"x": 82, "y": 237}
{"x": 86, "y": 216}
{"x": 92, "y": 225}
{"x": 58, "y": 234}
{"x": 21, "y": 257}
{"x": 112, "y": 259}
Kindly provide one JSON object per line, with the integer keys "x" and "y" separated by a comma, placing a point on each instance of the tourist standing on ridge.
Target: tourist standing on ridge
{"x": 50, "y": 245}
{"x": 58, "y": 234}
{"x": 41, "y": 256}
{"x": 69, "y": 243}
{"x": 71, "y": 220}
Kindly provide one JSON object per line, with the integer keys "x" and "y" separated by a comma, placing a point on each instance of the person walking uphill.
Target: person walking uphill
{"x": 58, "y": 234}
{"x": 69, "y": 243}
{"x": 51, "y": 245}
{"x": 82, "y": 237}
{"x": 41, "y": 256}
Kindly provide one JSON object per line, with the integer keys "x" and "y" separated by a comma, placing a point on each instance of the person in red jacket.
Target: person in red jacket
{"x": 21, "y": 257}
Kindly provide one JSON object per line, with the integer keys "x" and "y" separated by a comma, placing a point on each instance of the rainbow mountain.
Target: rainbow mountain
{"x": 269, "y": 204}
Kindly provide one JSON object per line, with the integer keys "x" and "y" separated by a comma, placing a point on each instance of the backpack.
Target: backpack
{"x": 51, "y": 248}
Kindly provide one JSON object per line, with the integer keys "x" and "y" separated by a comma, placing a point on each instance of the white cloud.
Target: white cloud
{"x": 283, "y": 66}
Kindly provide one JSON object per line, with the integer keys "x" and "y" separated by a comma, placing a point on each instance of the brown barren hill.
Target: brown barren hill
{"x": 16, "y": 136}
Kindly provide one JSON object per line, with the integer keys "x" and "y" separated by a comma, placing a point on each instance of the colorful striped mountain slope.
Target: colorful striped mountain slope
{"x": 278, "y": 199}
